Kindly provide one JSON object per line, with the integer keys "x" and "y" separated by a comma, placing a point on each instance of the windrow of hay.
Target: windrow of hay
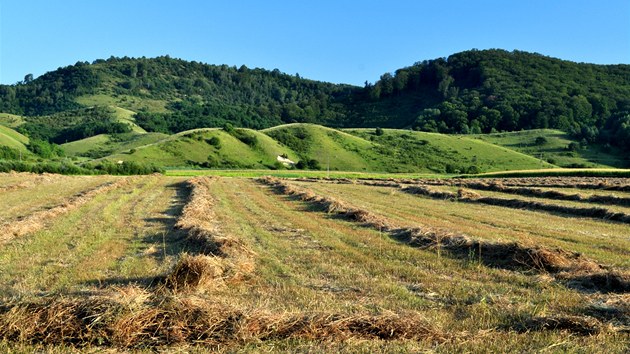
{"x": 571, "y": 267}
{"x": 38, "y": 220}
{"x": 549, "y": 194}
{"x": 219, "y": 258}
{"x": 472, "y": 197}
{"x": 329, "y": 205}
{"x": 150, "y": 320}
{"x": 588, "y": 183}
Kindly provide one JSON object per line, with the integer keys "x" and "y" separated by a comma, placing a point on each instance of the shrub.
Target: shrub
{"x": 9, "y": 153}
{"x": 473, "y": 170}
{"x": 214, "y": 141}
{"x": 541, "y": 140}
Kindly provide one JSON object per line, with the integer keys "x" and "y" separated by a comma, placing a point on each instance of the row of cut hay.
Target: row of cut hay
{"x": 328, "y": 204}
{"x": 472, "y": 197}
{"x": 219, "y": 259}
{"x": 572, "y": 268}
{"x": 141, "y": 319}
{"x": 16, "y": 186}
{"x": 549, "y": 194}
{"x": 589, "y": 183}
{"x": 38, "y": 220}
{"x": 568, "y": 266}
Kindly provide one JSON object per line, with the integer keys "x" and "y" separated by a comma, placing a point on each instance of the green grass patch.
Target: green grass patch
{"x": 552, "y": 146}
{"x": 12, "y": 139}
{"x": 106, "y": 144}
{"x": 441, "y": 153}
{"x": 11, "y": 120}
{"x": 131, "y": 103}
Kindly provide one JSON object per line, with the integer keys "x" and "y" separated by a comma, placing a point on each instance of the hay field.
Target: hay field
{"x": 157, "y": 263}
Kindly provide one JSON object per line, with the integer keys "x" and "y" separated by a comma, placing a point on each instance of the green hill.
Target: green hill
{"x": 106, "y": 144}
{"x": 211, "y": 148}
{"x": 559, "y": 148}
{"x": 325, "y": 148}
{"x": 12, "y": 139}
{"x": 472, "y": 91}
{"x": 403, "y": 150}
{"x": 332, "y": 148}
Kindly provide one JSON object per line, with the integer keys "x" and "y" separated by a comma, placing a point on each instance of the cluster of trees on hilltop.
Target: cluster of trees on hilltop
{"x": 51, "y": 93}
{"x": 208, "y": 95}
{"x": 495, "y": 90}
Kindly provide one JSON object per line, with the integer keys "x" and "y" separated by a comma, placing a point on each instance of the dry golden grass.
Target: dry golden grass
{"x": 221, "y": 259}
{"x": 569, "y": 265}
{"x": 311, "y": 272}
{"x": 38, "y": 220}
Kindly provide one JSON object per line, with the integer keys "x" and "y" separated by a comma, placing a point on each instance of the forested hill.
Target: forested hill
{"x": 478, "y": 91}
{"x": 469, "y": 92}
{"x": 184, "y": 94}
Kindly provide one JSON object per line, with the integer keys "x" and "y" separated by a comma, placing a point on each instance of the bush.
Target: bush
{"x": 9, "y": 153}
{"x": 379, "y": 132}
{"x": 541, "y": 140}
{"x": 44, "y": 149}
{"x": 451, "y": 169}
{"x": 573, "y": 146}
{"x": 214, "y": 141}
{"x": 473, "y": 170}
{"x": 309, "y": 164}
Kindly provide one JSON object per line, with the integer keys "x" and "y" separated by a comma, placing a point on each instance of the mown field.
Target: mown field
{"x": 179, "y": 263}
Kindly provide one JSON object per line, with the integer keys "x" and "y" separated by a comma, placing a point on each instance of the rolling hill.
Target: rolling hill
{"x": 337, "y": 150}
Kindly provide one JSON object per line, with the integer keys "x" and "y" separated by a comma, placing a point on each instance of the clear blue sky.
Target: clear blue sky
{"x": 330, "y": 40}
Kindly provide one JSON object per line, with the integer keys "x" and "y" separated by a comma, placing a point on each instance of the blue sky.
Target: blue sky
{"x": 339, "y": 41}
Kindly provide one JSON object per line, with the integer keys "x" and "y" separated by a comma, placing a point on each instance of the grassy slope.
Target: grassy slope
{"x": 127, "y": 102}
{"x": 11, "y": 120}
{"x": 105, "y": 144}
{"x": 190, "y": 148}
{"x": 344, "y": 151}
{"x": 12, "y": 139}
{"x": 555, "y": 148}
{"x": 434, "y": 152}
{"x": 127, "y": 116}
{"x": 349, "y": 150}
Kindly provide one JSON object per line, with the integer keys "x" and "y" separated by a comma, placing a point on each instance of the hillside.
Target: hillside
{"x": 112, "y": 106}
{"x": 12, "y": 139}
{"x": 210, "y": 148}
{"x": 558, "y": 148}
{"x": 321, "y": 148}
{"x": 473, "y": 91}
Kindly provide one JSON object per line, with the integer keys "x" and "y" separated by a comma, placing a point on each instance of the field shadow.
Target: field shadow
{"x": 161, "y": 245}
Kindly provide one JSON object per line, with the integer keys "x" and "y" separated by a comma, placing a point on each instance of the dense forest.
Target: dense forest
{"x": 469, "y": 92}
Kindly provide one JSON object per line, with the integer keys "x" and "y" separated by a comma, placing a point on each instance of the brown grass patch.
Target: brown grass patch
{"x": 581, "y": 325}
{"x": 549, "y": 194}
{"x": 567, "y": 266}
{"x": 38, "y": 220}
{"x": 220, "y": 259}
{"x": 472, "y": 197}
{"x": 143, "y": 320}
